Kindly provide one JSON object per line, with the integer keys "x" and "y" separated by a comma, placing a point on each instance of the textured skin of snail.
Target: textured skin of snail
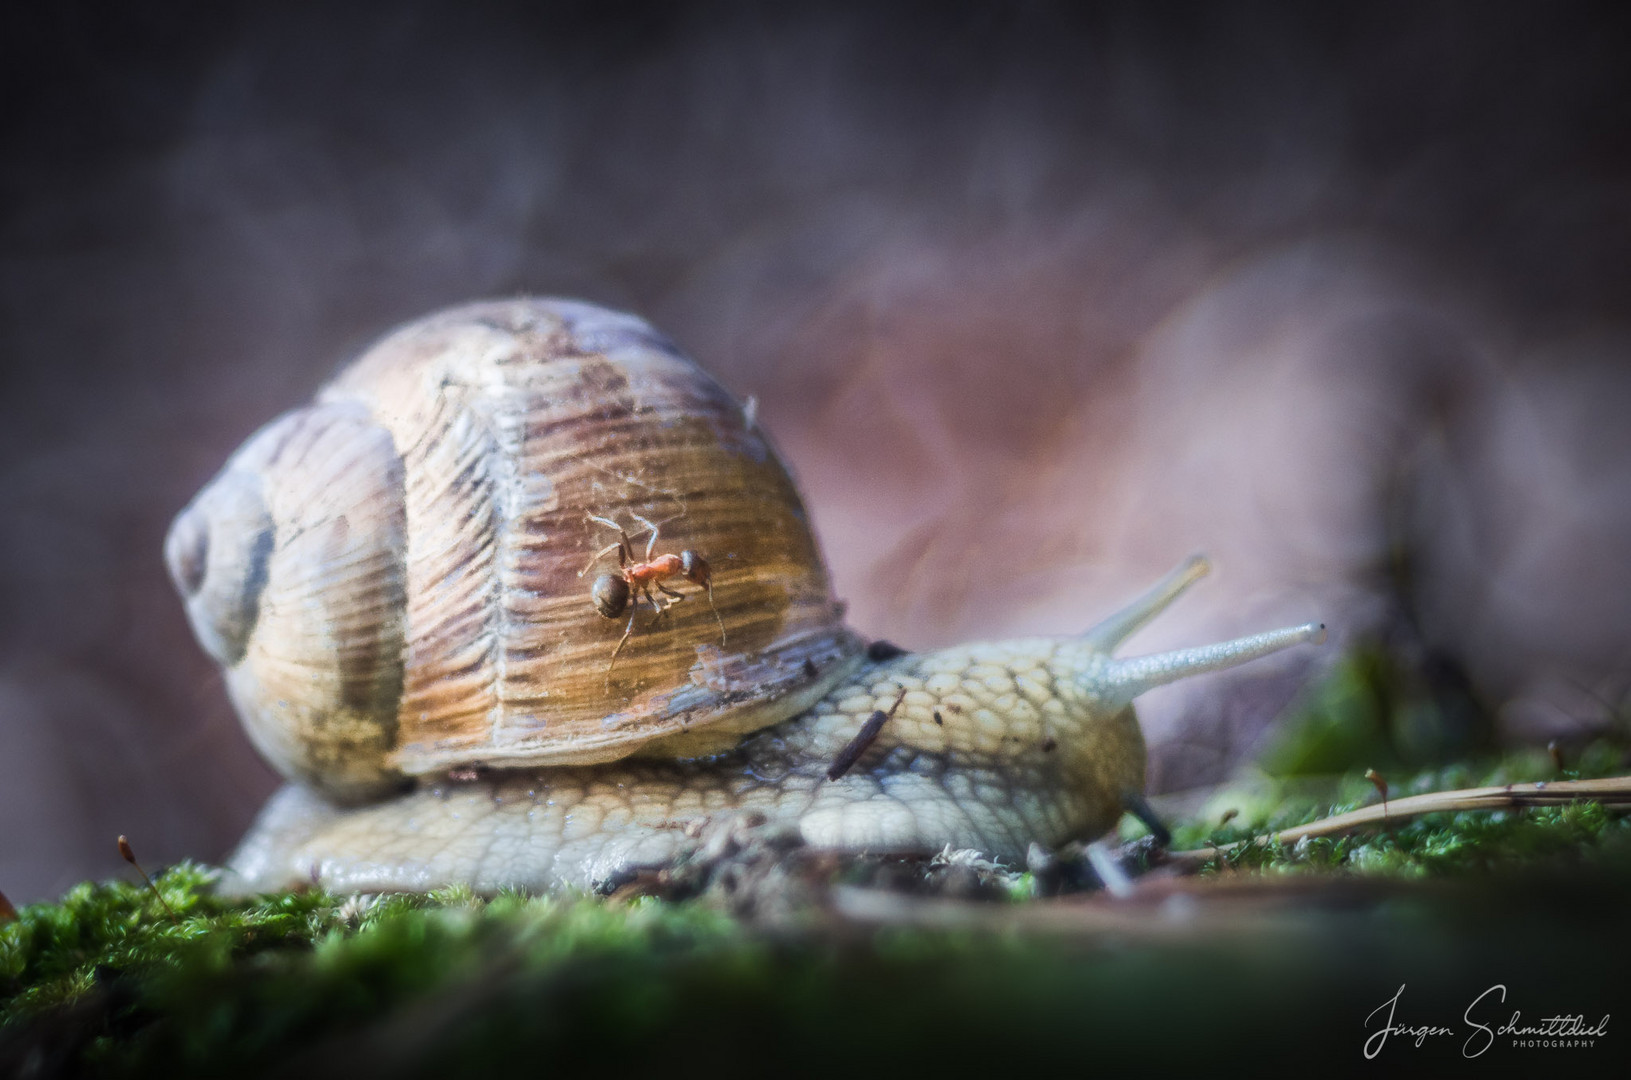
{"x": 989, "y": 746}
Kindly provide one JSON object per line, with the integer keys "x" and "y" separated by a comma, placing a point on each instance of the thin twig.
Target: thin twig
{"x": 1614, "y": 791}
{"x": 852, "y": 751}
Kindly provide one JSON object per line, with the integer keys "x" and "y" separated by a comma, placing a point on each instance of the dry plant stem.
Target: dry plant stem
{"x": 1614, "y": 791}
{"x": 129, "y": 855}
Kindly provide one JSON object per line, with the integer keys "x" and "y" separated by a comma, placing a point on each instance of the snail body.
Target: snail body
{"x": 392, "y": 580}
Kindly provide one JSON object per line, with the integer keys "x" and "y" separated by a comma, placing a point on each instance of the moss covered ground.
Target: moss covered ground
{"x": 1264, "y": 953}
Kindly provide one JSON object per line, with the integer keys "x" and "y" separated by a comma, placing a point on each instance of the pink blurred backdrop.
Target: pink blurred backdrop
{"x": 1035, "y": 300}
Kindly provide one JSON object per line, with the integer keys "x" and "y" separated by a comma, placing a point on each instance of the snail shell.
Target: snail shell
{"x": 390, "y": 577}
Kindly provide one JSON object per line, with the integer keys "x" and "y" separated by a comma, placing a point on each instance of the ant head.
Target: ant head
{"x": 695, "y": 569}
{"x": 611, "y": 595}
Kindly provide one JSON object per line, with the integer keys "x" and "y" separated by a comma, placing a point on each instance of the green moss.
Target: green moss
{"x": 1448, "y": 844}
{"x": 315, "y": 985}
{"x": 1375, "y": 709}
{"x": 226, "y": 982}
{"x": 1257, "y": 804}
{"x": 107, "y": 980}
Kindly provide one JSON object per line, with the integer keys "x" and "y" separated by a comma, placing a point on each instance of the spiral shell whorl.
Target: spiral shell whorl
{"x": 303, "y": 603}
{"x": 474, "y": 445}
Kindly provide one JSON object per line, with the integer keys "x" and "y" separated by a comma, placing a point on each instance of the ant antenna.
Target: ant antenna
{"x": 715, "y": 610}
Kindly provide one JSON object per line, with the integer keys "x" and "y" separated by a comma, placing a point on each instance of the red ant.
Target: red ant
{"x": 612, "y": 592}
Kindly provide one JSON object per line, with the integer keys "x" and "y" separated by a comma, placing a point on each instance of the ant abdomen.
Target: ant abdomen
{"x": 611, "y": 595}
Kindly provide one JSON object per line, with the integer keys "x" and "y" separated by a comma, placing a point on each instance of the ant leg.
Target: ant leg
{"x": 674, "y": 597}
{"x": 622, "y": 641}
{"x": 662, "y": 609}
{"x": 625, "y": 550}
{"x": 601, "y": 554}
{"x": 678, "y": 596}
{"x": 651, "y": 545}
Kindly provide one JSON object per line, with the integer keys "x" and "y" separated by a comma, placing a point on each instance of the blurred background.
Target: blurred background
{"x": 1035, "y": 298}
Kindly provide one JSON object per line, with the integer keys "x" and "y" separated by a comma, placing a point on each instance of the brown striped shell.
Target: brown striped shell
{"x": 392, "y": 576}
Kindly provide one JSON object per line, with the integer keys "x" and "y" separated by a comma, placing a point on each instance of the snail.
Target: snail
{"x": 393, "y": 580}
